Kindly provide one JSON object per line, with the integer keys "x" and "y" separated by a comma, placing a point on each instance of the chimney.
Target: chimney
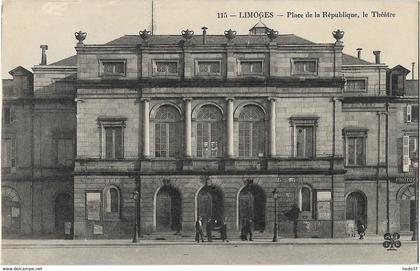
{"x": 412, "y": 70}
{"x": 377, "y": 57}
{"x": 44, "y": 49}
{"x": 204, "y": 34}
{"x": 359, "y": 52}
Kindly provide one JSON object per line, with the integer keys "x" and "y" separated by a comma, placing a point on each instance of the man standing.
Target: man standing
{"x": 209, "y": 229}
{"x": 199, "y": 230}
{"x": 249, "y": 227}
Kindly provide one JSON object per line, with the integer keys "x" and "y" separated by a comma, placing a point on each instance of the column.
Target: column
{"x": 272, "y": 139}
{"x": 146, "y": 135}
{"x": 187, "y": 126}
{"x": 229, "y": 127}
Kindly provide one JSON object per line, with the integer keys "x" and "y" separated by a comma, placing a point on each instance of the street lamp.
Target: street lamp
{"x": 415, "y": 164}
{"x": 275, "y": 196}
{"x": 136, "y": 226}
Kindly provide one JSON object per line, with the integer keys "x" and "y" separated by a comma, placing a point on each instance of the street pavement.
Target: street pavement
{"x": 153, "y": 252}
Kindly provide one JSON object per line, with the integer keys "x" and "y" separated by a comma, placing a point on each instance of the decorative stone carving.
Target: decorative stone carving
{"x": 80, "y": 36}
{"x": 166, "y": 181}
{"x": 145, "y": 35}
{"x": 248, "y": 181}
{"x": 205, "y": 179}
{"x": 187, "y": 34}
{"x": 272, "y": 34}
{"x": 230, "y": 34}
{"x": 338, "y": 35}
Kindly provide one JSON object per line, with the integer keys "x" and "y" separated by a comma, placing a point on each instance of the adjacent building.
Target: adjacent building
{"x": 218, "y": 126}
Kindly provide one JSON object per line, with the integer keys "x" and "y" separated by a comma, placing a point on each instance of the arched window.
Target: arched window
{"x": 10, "y": 210}
{"x": 209, "y": 132}
{"x": 251, "y": 132}
{"x": 306, "y": 199}
{"x": 112, "y": 202}
{"x": 167, "y": 132}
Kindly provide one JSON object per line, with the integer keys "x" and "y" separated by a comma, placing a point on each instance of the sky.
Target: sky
{"x": 26, "y": 24}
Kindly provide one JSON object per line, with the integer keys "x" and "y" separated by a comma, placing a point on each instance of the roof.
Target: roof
{"x": 412, "y": 87}
{"x": 210, "y": 39}
{"x": 19, "y": 69}
{"x": 351, "y": 60}
{"x": 70, "y": 61}
{"x": 7, "y": 86}
{"x": 259, "y": 25}
{"x": 400, "y": 68}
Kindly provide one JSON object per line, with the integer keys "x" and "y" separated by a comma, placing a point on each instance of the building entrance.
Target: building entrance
{"x": 168, "y": 209}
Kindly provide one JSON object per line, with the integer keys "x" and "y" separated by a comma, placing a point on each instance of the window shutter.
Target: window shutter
{"x": 409, "y": 113}
{"x": 406, "y": 153}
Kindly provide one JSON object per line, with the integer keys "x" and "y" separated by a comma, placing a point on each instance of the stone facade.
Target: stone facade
{"x": 329, "y": 137}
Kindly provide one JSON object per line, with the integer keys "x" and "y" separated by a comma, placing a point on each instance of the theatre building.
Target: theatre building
{"x": 212, "y": 125}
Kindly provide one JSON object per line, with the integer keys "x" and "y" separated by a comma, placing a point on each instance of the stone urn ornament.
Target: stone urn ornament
{"x": 230, "y": 34}
{"x": 187, "y": 34}
{"x": 272, "y": 34}
{"x": 145, "y": 35}
{"x": 338, "y": 35}
{"x": 80, "y": 36}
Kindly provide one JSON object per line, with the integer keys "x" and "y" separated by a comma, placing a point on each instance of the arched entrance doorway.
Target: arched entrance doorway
{"x": 10, "y": 211}
{"x": 407, "y": 208}
{"x": 252, "y": 205}
{"x": 168, "y": 209}
{"x": 63, "y": 211}
{"x": 210, "y": 203}
{"x": 356, "y": 207}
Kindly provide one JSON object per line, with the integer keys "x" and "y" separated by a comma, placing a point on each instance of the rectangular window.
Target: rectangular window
{"x": 413, "y": 140}
{"x": 208, "y": 67}
{"x": 251, "y": 67}
{"x": 8, "y": 155}
{"x": 166, "y": 67}
{"x": 113, "y": 67}
{"x": 305, "y": 67}
{"x": 7, "y": 116}
{"x": 113, "y": 143}
{"x": 65, "y": 152}
{"x": 397, "y": 82}
{"x": 166, "y": 142}
{"x": 355, "y": 146}
{"x": 356, "y": 154}
{"x": 356, "y": 85}
{"x": 304, "y": 142}
{"x": 409, "y": 151}
{"x": 323, "y": 205}
{"x": 412, "y": 113}
{"x": 93, "y": 206}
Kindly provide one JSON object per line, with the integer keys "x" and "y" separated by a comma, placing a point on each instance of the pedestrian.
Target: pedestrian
{"x": 293, "y": 215}
{"x": 249, "y": 227}
{"x": 223, "y": 232}
{"x": 209, "y": 229}
{"x": 243, "y": 230}
{"x": 199, "y": 230}
{"x": 361, "y": 229}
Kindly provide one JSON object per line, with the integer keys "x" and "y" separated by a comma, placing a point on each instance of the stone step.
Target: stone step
{"x": 191, "y": 235}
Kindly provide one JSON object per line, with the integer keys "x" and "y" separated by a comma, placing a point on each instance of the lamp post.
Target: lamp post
{"x": 275, "y": 196}
{"x": 136, "y": 226}
{"x": 415, "y": 164}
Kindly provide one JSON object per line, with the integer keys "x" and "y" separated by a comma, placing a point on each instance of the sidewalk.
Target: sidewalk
{"x": 31, "y": 243}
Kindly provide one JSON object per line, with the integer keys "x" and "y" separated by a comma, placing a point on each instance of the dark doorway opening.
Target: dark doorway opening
{"x": 252, "y": 205}
{"x": 168, "y": 209}
{"x": 356, "y": 207}
{"x": 210, "y": 203}
{"x": 63, "y": 211}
